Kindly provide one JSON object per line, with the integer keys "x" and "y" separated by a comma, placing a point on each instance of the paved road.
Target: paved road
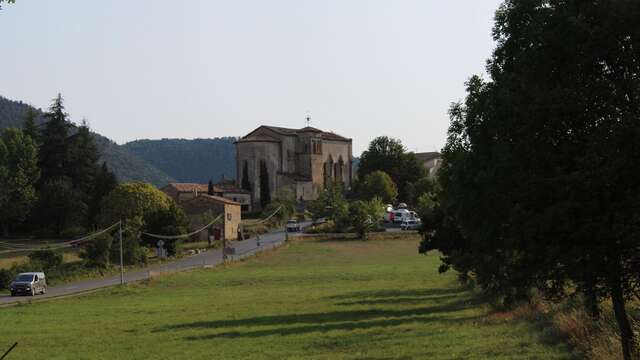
{"x": 210, "y": 258}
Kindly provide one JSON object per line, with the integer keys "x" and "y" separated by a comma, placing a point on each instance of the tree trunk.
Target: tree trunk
{"x": 5, "y": 230}
{"x": 626, "y": 332}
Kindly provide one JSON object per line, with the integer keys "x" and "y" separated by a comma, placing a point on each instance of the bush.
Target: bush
{"x": 6, "y": 277}
{"x": 96, "y": 252}
{"x": 365, "y": 215}
{"x": 47, "y": 258}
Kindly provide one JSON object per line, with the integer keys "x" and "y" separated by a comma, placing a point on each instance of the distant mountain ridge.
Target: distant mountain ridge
{"x": 197, "y": 160}
{"x": 125, "y": 165}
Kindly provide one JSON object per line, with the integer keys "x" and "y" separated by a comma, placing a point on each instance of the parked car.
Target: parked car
{"x": 400, "y": 215}
{"x": 411, "y": 224}
{"x": 31, "y": 283}
{"x": 293, "y": 226}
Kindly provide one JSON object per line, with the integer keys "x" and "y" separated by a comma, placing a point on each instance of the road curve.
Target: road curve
{"x": 211, "y": 258}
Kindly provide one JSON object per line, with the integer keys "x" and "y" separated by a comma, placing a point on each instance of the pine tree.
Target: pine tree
{"x": 29, "y": 127}
{"x": 210, "y": 188}
{"x": 104, "y": 182}
{"x": 265, "y": 190}
{"x": 82, "y": 160}
{"x": 54, "y": 143}
{"x": 246, "y": 185}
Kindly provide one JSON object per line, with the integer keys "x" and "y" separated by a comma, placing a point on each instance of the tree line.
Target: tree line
{"x": 387, "y": 174}
{"x": 51, "y": 183}
{"x": 539, "y": 190}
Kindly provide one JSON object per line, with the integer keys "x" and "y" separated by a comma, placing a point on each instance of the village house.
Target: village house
{"x": 431, "y": 161}
{"x": 203, "y": 205}
{"x": 306, "y": 160}
{"x": 181, "y": 192}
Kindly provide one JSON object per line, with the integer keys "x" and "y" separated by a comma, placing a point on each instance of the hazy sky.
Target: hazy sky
{"x": 205, "y": 68}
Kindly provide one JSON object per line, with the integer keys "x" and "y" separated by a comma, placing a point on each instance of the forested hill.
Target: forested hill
{"x": 197, "y": 160}
{"x": 126, "y": 166}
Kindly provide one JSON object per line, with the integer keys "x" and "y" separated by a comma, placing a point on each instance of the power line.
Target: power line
{"x": 183, "y": 236}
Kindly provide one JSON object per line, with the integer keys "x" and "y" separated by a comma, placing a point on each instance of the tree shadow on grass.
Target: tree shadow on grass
{"x": 327, "y": 327}
{"x": 389, "y": 294}
{"x": 292, "y": 324}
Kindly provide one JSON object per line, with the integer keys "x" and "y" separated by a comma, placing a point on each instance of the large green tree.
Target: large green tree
{"x": 18, "y": 174}
{"x": 549, "y": 145}
{"x": 389, "y": 155}
{"x": 61, "y": 206}
{"x": 378, "y": 184}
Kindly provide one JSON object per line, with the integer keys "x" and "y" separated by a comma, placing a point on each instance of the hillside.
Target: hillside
{"x": 126, "y": 166}
{"x": 197, "y": 160}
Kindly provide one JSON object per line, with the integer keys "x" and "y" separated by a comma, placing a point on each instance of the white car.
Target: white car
{"x": 293, "y": 226}
{"x": 411, "y": 224}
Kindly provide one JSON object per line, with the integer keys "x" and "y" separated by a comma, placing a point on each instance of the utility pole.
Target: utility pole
{"x": 121, "y": 261}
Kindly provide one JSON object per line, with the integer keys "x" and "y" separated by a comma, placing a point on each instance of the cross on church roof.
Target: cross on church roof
{"x": 308, "y": 120}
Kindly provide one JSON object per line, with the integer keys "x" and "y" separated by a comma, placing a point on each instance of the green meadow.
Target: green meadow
{"x": 312, "y": 299}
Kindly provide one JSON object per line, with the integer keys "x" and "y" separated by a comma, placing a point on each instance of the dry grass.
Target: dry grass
{"x": 9, "y": 259}
{"x": 597, "y": 339}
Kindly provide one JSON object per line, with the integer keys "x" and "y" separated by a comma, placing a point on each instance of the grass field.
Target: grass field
{"x": 313, "y": 299}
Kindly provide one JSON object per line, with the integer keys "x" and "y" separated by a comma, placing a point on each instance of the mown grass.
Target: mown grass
{"x": 314, "y": 299}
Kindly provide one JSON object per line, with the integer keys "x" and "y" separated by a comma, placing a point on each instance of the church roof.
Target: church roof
{"x": 426, "y": 156}
{"x": 290, "y": 132}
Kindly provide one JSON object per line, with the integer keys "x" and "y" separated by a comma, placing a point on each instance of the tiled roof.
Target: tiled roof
{"x": 231, "y": 189}
{"x": 426, "y": 156}
{"x": 193, "y": 187}
{"x": 214, "y": 198}
{"x": 291, "y": 132}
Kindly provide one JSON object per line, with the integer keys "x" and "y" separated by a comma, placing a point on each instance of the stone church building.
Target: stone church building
{"x": 306, "y": 160}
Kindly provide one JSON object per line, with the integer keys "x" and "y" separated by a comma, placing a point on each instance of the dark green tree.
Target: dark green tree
{"x": 18, "y": 175}
{"x": 389, "y": 155}
{"x": 29, "y": 126}
{"x": 104, "y": 183}
{"x": 549, "y": 145}
{"x": 246, "y": 185}
{"x": 82, "y": 160}
{"x": 171, "y": 221}
{"x": 265, "y": 189}
{"x": 62, "y": 204}
{"x": 54, "y": 147}
{"x": 210, "y": 188}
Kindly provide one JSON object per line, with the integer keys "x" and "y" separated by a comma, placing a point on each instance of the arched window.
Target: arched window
{"x": 340, "y": 171}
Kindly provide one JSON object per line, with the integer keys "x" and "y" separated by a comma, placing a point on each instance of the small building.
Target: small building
{"x": 181, "y": 192}
{"x": 431, "y": 161}
{"x": 196, "y": 207}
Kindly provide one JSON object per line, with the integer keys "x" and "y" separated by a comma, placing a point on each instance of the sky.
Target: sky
{"x": 151, "y": 69}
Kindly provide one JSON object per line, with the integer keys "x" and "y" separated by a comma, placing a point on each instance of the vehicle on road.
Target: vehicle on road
{"x": 30, "y": 283}
{"x": 400, "y": 215}
{"x": 411, "y": 224}
{"x": 293, "y": 226}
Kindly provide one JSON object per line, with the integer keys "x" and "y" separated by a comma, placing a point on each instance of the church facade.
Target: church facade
{"x": 306, "y": 160}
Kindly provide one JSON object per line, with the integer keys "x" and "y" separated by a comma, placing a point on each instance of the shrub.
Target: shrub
{"x": 48, "y": 258}
{"x": 365, "y": 215}
{"x": 6, "y": 277}
{"x": 96, "y": 252}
